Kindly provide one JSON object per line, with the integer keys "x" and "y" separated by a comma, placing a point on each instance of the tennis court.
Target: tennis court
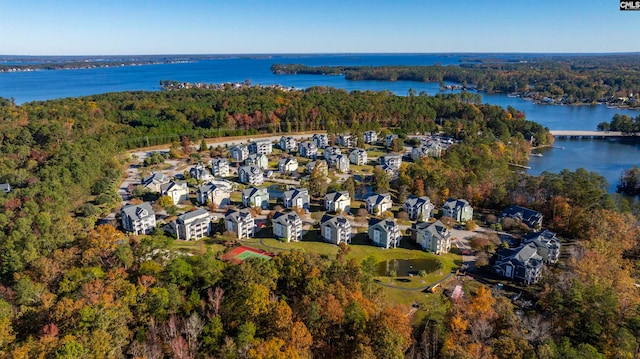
{"x": 242, "y": 253}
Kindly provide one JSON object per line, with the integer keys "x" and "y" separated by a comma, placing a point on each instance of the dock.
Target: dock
{"x": 519, "y": 166}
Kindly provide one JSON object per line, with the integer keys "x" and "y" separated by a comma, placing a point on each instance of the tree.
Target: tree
{"x": 203, "y": 145}
{"x": 317, "y": 182}
{"x": 350, "y": 186}
{"x": 165, "y": 201}
{"x": 380, "y": 180}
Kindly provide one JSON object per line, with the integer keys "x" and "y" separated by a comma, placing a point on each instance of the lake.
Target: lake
{"x": 608, "y": 158}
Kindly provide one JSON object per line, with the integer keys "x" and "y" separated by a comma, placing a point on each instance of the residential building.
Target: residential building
{"x": 458, "y": 209}
{"x": 359, "y": 157}
{"x": 5, "y": 187}
{"x": 257, "y": 159}
{"x": 139, "y": 219}
{"x": 287, "y": 226}
{"x": 339, "y": 162}
{"x": 178, "y": 191}
{"x": 346, "y": 140}
{"x": 308, "y": 150}
{"x": 211, "y": 193}
{"x": 370, "y": 137}
{"x": 379, "y": 203}
{"x": 433, "y": 237}
{"x": 335, "y": 230}
{"x": 240, "y": 222}
{"x": 520, "y": 264}
{"x": 288, "y": 143}
{"x": 321, "y": 140}
{"x": 323, "y": 167}
{"x": 220, "y": 167}
{"x": 255, "y": 197}
{"x": 392, "y": 172}
{"x": 297, "y": 197}
{"x": 288, "y": 165}
{"x": 250, "y": 175}
{"x": 391, "y": 160}
{"x": 384, "y": 232}
{"x": 335, "y": 201}
{"x": 239, "y": 153}
{"x": 331, "y": 151}
{"x": 431, "y": 150}
{"x": 388, "y": 140}
{"x": 548, "y": 245}
{"x": 154, "y": 181}
{"x": 200, "y": 173}
{"x": 263, "y": 147}
{"x": 193, "y": 225}
{"x": 533, "y": 219}
{"x": 418, "y": 208}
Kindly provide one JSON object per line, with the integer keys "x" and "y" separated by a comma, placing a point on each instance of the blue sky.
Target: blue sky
{"x": 112, "y": 27}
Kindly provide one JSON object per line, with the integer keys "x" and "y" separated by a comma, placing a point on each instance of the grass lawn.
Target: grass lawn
{"x": 194, "y": 246}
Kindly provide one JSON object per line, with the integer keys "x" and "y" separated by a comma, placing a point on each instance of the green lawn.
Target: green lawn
{"x": 193, "y": 246}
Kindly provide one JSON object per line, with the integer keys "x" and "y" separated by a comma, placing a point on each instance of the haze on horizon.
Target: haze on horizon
{"x": 118, "y": 27}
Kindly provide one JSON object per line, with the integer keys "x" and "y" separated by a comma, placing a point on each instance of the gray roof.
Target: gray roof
{"x": 157, "y": 177}
{"x": 336, "y": 195}
{"x": 170, "y": 185}
{"x": 528, "y": 216}
{"x": 253, "y": 191}
{"x": 5, "y": 187}
{"x": 335, "y": 221}
{"x": 219, "y": 160}
{"x": 284, "y": 218}
{"x": 452, "y": 203}
{"x": 287, "y": 160}
{"x": 133, "y": 211}
{"x": 296, "y": 192}
{"x": 250, "y": 169}
{"x": 525, "y": 256}
{"x": 186, "y": 217}
{"x": 387, "y": 224}
{"x": 237, "y": 215}
{"x": 414, "y": 201}
{"x": 439, "y": 230}
{"x": 378, "y": 198}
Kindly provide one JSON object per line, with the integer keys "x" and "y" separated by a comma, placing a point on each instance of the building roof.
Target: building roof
{"x": 172, "y": 185}
{"x": 238, "y": 215}
{"x": 137, "y": 212}
{"x": 157, "y": 177}
{"x": 334, "y": 221}
{"x": 453, "y": 203}
{"x": 336, "y": 195}
{"x": 438, "y": 230}
{"x": 295, "y": 192}
{"x": 190, "y": 216}
{"x": 414, "y": 201}
{"x": 286, "y": 161}
{"x": 251, "y": 169}
{"x": 526, "y": 256}
{"x": 387, "y": 224}
{"x": 219, "y": 160}
{"x": 376, "y": 199}
{"x": 253, "y": 191}
{"x": 286, "y": 218}
{"x": 528, "y": 216}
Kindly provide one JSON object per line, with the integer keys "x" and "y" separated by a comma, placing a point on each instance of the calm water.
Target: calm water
{"x": 605, "y": 157}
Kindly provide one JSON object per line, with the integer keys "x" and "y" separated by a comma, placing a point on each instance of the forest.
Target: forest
{"x": 562, "y": 80}
{"x": 72, "y": 289}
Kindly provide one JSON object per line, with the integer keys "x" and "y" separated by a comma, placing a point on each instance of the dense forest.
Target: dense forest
{"x": 71, "y": 289}
{"x": 563, "y": 80}
{"x": 624, "y": 123}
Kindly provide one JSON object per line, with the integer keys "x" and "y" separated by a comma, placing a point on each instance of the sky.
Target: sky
{"x": 128, "y": 27}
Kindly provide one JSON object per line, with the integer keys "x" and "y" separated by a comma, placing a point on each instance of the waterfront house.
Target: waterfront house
{"x": 458, "y": 209}
{"x": 239, "y": 153}
{"x": 240, "y": 222}
{"x": 288, "y": 165}
{"x": 339, "y": 162}
{"x": 308, "y": 150}
{"x": 346, "y": 140}
{"x": 139, "y": 219}
{"x": 287, "y": 226}
{"x": 388, "y": 140}
{"x": 337, "y": 201}
{"x": 263, "y": 147}
{"x": 418, "y": 208}
{"x": 433, "y": 237}
{"x": 522, "y": 264}
{"x": 154, "y": 181}
{"x": 296, "y": 197}
{"x": 391, "y": 160}
{"x": 177, "y": 191}
{"x": 257, "y": 159}
{"x": 547, "y": 243}
{"x": 370, "y": 137}
{"x": 336, "y": 229}
{"x": 287, "y": 143}
{"x": 331, "y": 151}
{"x": 192, "y": 225}
{"x": 255, "y": 197}
{"x": 321, "y": 140}
{"x": 358, "y": 157}
{"x": 200, "y": 173}
{"x": 214, "y": 194}
{"x": 384, "y": 232}
{"x": 379, "y": 203}
{"x": 250, "y": 175}
{"x": 533, "y": 219}
{"x": 220, "y": 167}
{"x": 322, "y": 165}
